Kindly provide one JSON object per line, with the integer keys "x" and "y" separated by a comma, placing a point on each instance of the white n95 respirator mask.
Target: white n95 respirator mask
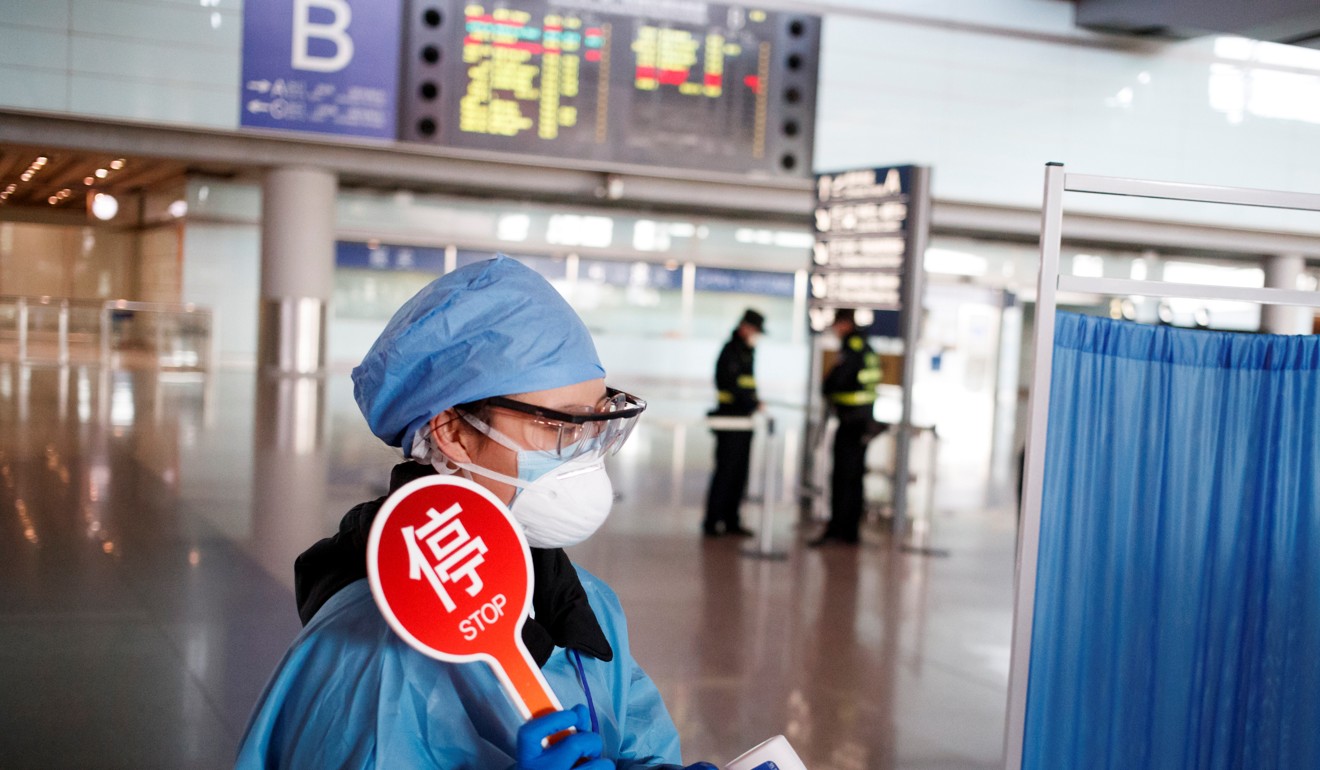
{"x": 558, "y": 503}
{"x": 564, "y": 506}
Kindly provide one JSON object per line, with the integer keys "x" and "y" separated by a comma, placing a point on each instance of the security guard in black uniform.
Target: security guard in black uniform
{"x": 850, "y": 388}
{"x": 736, "y": 386}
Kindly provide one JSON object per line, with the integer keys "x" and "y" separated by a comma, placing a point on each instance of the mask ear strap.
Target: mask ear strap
{"x": 447, "y": 466}
{"x": 489, "y": 431}
{"x": 426, "y": 452}
{"x": 421, "y": 450}
{"x": 486, "y": 473}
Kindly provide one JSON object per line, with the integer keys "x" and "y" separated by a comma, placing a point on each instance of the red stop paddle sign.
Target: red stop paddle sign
{"x": 452, "y": 575}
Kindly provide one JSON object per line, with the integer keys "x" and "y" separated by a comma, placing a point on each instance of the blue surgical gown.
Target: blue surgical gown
{"x": 351, "y": 694}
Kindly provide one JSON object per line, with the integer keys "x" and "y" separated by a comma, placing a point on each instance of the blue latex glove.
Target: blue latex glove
{"x": 701, "y": 766}
{"x": 566, "y": 754}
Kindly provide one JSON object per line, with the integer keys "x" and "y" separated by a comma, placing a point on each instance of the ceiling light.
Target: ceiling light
{"x": 52, "y": 200}
{"x": 951, "y": 262}
{"x": 178, "y": 209}
{"x": 40, "y": 161}
{"x": 26, "y": 176}
{"x": 104, "y": 206}
{"x": 89, "y": 181}
{"x": 117, "y": 164}
{"x": 102, "y": 173}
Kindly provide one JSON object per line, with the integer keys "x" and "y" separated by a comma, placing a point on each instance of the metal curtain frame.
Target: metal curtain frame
{"x": 1049, "y": 283}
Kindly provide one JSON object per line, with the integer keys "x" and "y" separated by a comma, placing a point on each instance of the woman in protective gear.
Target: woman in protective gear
{"x": 489, "y": 373}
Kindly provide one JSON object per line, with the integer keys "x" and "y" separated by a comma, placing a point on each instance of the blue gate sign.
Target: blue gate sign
{"x": 388, "y": 256}
{"x": 744, "y": 281}
{"x": 329, "y": 66}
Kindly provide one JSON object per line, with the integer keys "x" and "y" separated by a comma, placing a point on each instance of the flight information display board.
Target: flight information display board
{"x": 674, "y": 83}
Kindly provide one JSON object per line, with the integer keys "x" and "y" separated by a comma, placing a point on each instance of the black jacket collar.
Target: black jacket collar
{"x": 563, "y": 616}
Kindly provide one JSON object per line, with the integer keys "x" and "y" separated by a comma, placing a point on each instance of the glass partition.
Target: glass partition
{"x": 117, "y": 333}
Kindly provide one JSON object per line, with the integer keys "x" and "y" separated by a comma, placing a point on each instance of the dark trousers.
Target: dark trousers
{"x": 728, "y": 484}
{"x": 847, "y": 496}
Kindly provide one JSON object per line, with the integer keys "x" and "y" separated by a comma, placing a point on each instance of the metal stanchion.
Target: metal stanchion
{"x": 764, "y": 548}
{"x": 64, "y": 333}
{"x": 106, "y": 329}
{"x": 22, "y": 329}
{"x": 921, "y": 532}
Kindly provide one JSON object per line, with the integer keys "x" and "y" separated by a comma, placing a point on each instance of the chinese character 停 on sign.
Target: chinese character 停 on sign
{"x": 443, "y": 552}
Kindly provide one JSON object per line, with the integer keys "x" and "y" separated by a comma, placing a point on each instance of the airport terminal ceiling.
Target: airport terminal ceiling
{"x": 59, "y": 180}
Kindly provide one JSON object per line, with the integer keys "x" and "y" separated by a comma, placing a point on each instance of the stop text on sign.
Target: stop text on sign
{"x": 484, "y": 616}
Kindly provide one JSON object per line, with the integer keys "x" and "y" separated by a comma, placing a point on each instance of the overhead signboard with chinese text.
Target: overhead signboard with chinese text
{"x": 329, "y": 66}
{"x": 678, "y": 84}
{"x": 864, "y": 238}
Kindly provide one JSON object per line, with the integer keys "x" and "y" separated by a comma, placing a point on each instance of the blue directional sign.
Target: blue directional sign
{"x": 329, "y": 66}
{"x": 744, "y": 281}
{"x": 388, "y": 256}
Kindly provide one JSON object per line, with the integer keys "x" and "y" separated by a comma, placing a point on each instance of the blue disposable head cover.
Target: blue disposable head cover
{"x": 492, "y": 328}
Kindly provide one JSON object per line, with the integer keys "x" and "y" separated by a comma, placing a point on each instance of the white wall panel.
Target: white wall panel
{"x": 143, "y": 100}
{"x": 50, "y": 14}
{"x": 144, "y": 20}
{"x": 221, "y": 270}
{"x": 1037, "y": 16}
{"x": 158, "y": 62}
{"x": 46, "y": 49}
{"x": 33, "y": 89}
{"x": 988, "y": 109}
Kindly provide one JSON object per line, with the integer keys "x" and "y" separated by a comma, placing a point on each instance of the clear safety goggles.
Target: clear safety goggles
{"x": 568, "y": 435}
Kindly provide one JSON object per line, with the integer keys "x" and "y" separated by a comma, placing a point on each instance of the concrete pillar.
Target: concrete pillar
{"x": 1282, "y": 272}
{"x": 297, "y": 269}
{"x": 297, "y": 277}
{"x": 290, "y": 464}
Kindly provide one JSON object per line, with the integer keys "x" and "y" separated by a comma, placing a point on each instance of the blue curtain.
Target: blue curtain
{"x": 1177, "y": 615}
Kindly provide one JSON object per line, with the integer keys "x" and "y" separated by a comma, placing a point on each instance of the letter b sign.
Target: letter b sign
{"x": 334, "y": 31}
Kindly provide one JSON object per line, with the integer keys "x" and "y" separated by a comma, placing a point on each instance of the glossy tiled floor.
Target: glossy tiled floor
{"x": 147, "y": 533}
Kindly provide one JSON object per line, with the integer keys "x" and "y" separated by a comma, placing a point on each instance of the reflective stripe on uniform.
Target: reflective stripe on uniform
{"x": 746, "y": 382}
{"x": 725, "y": 397}
{"x": 856, "y": 398}
{"x": 870, "y": 372}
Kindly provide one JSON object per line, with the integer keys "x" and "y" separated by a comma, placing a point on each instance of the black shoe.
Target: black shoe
{"x": 831, "y": 539}
{"x": 741, "y": 531}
